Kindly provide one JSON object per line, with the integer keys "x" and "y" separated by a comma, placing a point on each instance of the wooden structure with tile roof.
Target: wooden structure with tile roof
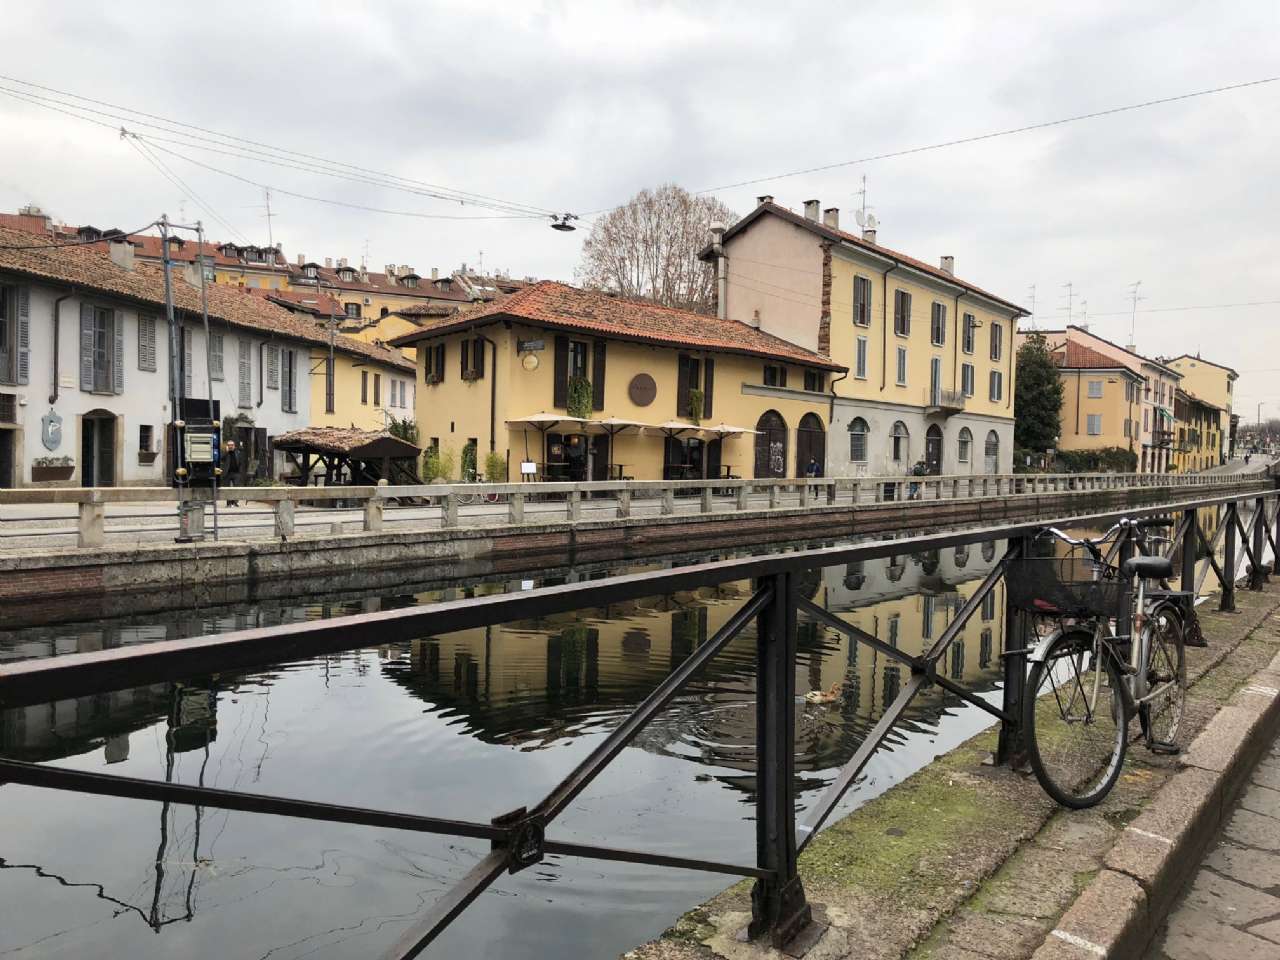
{"x": 350, "y": 455}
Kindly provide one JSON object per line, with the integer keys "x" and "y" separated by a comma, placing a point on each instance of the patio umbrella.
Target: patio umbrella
{"x": 727, "y": 430}
{"x": 616, "y": 425}
{"x": 673, "y": 428}
{"x": 543, "y": 422}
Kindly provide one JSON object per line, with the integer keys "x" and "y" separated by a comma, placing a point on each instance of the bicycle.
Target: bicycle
{"x": 1086, "y": 682}
{"x": 485, "y": 497}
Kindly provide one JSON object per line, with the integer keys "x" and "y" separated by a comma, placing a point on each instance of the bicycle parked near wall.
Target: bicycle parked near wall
{"x": 485, "y": 497}
{"x": 1086, "y": 682}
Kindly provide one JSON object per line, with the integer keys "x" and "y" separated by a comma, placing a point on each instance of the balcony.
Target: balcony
{"x": 939, "y": 402}
{"x": 1162, "y": 438}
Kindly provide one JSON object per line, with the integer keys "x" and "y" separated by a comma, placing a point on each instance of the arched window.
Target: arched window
{"x": 965, "y": 445}
{"x": 991, "y": 452}
{"x": 900, "y": 442}
{"x": 858, "y": 431}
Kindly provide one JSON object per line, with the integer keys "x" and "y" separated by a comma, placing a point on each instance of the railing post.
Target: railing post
{"x": 449, "y": 510}
{"x": 805, "y": 490}
{"x": 1190, "y": 549}
{"x": 668, "y": 501}
{"x": 831, "y": 492}
{"x": 91, "y": 530}
{"x": 284, "y": 519}
{"x": 573, "y": 505}
{"x": 778, "y": 905}
{"x": 1259, "y": 576}
{"x": 1009, "y": 746}
{"x": 706, "y": 499}
{"x": 373, "y": 511}
{"x": 624, "y": 502}
{"x": 1228, "y": 601}
{"x": 744, "y": 496}
{"x": 775, "y": 491}
{"x": 515, "y": 508}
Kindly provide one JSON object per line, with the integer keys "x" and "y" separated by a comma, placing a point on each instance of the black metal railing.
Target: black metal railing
{"x": 519, "y": 838}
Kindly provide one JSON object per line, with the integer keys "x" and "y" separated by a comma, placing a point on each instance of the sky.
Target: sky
{"x": 573, "y": 107}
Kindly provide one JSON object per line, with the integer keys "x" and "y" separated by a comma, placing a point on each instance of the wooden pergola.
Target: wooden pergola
{"x": 364, "y": 456}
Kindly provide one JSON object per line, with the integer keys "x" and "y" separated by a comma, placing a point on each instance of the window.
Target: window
{"x": 966, "y": 379}
{"x": 364, "y": 387}
{"x": 273, "y": 366}
{"x": 938, "y": 324}
{"x": 860, "y": 358}
{"x": 244, "y": 356}
{"x": 215, "y": 351}
{"x": 928, "y": 606}
{"x": 997, "y": 341}
{"x": 147, "y": 346}
{"x": 1146, "y": 421}
{"x": 433, "y": 369}
{"x": 1095, "y": 389}
{"x": 815, "y": 381}
{"x": 8, "y": 336}
{"x": 377, "y": 389}
{"x": 901, "y": 313}
{"x": 899, "y": 442}
{"x": 346, "y": 274}
{"x": 893, "y": 624}
{"x": 858, "y": 440}
{"x": 351, "y": 309}
{"x": 410, "y": 282}
{"x": 965, "y": 445}
{"x": 970, "y": 333}
{"x": 688, "y": 379}
{"x": 902, "y": 366}
{"x": 98, "y": 342}
{"x": 145, "y": 437}
{"x": 988, "y": 612}
{"x": 1095, "y": 424}
{"x": 288, "y": 380}
{"x": 997, "y": 386}
{"x": 383, "y": 312}
{"x": 309, "y": 271}
{"x": 862, "y": 301}
{"x": 578, "y": 359}
{"x": 991, "y": 453}
{"x": 775, "y": 376}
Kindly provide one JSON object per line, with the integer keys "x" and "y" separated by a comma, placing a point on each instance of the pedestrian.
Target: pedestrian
{"x": 231, "y": 469}
{"x": 811, "y": 468}
{"x": 921, "y": 469}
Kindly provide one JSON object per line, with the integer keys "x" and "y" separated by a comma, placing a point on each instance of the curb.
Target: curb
{"x": 1120, "y": 912}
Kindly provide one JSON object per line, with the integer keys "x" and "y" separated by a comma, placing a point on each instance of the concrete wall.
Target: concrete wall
{"x": 880, "y": 418}
{"x": 775, "y": 269}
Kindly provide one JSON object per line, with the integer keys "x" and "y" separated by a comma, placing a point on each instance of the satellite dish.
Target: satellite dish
{"x": 860, "y": 217}
{"x": 871, "y": 223}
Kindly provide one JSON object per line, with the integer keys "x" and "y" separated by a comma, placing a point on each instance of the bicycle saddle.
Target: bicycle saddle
{"x": 1148, "y": 568}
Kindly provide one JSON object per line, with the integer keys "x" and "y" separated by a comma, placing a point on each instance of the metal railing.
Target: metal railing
{"x": 519, "y": 838}
{"x": 504, "y": 504}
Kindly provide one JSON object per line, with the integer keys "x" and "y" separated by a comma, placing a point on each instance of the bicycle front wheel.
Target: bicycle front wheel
{"x": 1074, "y": 721}
{"x": 1166, "y": 675}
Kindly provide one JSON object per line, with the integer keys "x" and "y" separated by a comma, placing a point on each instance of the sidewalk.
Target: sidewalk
{"x": 1231, "y": 909}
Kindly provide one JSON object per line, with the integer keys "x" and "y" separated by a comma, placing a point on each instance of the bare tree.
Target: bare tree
{"x": 648, "y": 248}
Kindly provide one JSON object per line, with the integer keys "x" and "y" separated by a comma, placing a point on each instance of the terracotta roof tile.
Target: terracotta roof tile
{"x": 561, "y": 306}
{"x": 1076, "y": 356}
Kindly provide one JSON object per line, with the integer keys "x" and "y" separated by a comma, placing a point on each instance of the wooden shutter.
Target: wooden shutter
{"x": 86, "y": 347}
{"x": 24, "y": 335}
{"x": 441, "y": 350}
{"x": 597, "y": 375}
{"x": 245, "y": 347}
{"x": 560, "y": 391}
{"x": 377, "y": 389}
{"x": 117, "y": 352}
{"x": 146, "y": 342}
{"x": 708, "y": 385}
{"x": 215, "y": 356}
{"x": 782, "y": 376}
{"x": 466, "y": 358}
{"x": 477, "y": 357}
{"x": 364, "y": 386}
{"x": 682, "y": 386}
{"x": 186, "y": 361}
{"x": 273, "y": 366}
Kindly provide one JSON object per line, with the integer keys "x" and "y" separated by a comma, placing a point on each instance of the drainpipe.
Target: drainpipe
{"x": 1008, "y": 380}
{"x": 493, "y": 394}
{"x": 53, "y": 391}
{"x": 884, "y": 327}
{"x": 831, "y": 409}
{"x": 262, "y": 346}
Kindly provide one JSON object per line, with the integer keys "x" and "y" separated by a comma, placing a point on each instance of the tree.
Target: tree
{"x": 1037, "y": 402}
{"x": 648, "y": 248}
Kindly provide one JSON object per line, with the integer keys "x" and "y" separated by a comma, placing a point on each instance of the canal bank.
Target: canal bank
{"x": 963, "y": 861}
{"x": 105, "y": 581}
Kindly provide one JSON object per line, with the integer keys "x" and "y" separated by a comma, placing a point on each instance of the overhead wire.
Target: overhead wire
{"x": 181, "y": 184}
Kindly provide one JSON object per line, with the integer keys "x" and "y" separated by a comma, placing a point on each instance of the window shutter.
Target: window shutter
{"x": 117, "y": 352}
{"x": 441, "y": 350}
{"x": 215, "y": 356}
{"x": 782, "y": 376}
{"x": 682, "y": 387}
{"x": 364, "y": 386}
{"x": 24, "y": 335}
{"x": 273, "y": 366}
{"x": 146, "y": 342}
{"x": 597, "y": 375}
{"x": 477, "y": 357}
{"x": 708, "y": 386}
{"x": 560, "y": 392}
{"x": 86, "y": 347}
{"x": 186, "y": 362}
{"x": 245, "y": 348}
{"x": 465, "y": 366}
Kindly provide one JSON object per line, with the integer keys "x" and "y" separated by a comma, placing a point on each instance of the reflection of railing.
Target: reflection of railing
{"x": 518, "y": 839}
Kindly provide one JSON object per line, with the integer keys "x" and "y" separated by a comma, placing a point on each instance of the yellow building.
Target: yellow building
{"x": 1213, "y": 384}
{"x": 1101, "y": 400}
{"x": 563, "y": 383}
{"x": 930, "y": 356}
{"x": 1198, "y": 445}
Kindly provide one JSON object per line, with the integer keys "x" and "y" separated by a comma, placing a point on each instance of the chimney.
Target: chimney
{"x": 342, "y": 262}
{"x": 435, "y": 273}
{"x": 405, "y": 269}
{"x": 121, "y": 253}
{"x": 755, "y": 319}
{"x": 869, "y": 235}
{"x": 831, "y": 218}
{"x": 811, "y": 209}
{"x": 948, "y": 266}
{"x": 761, "y": 201}
{"x": 391, "y": 270}
{"x": 328, "y": 263}
{"x": 301, "y": 259}
{"x": 722, "y": 274}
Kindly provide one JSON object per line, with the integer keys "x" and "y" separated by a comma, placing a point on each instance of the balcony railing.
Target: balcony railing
{"x": 946, "y": 402}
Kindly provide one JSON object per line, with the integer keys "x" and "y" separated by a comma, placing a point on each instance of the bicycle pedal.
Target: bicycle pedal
{"x": 1164, "y": 748}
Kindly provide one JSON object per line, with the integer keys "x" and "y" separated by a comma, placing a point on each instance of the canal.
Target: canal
{"x": 469, "y": 725}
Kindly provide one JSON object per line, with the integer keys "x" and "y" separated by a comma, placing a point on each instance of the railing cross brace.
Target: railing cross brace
{"x": 525, "y": 838}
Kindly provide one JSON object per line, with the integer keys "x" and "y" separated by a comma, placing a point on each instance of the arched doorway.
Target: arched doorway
{"x": 811, "y": 444}
{"x": 933, "y": 449}
{"x": 991, "y": 453}
{"x": 771, "y": 445}
{"x": 98, "y": 449}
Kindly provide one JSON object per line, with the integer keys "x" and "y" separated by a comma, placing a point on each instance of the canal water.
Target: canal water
{"x": 468, "y": 725}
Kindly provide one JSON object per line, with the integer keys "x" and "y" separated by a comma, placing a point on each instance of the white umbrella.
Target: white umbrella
{"x": 544, "y": 422}
{"x": 725, "y": 430}
{"x": 673, "y": 427}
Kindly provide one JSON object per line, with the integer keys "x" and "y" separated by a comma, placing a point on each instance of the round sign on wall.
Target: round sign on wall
{"x": 529, "y": 361}
{"x": 642, "y": 389}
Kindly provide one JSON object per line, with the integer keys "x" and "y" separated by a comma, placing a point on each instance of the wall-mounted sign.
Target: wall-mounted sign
{"x": 528, "y": 346}
{"x": 642, "y": 389}
{"x": 529, "y": 361}
{"x": 51, "y": 430}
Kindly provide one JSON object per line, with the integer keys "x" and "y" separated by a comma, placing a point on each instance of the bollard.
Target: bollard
{"x": 573, "y": 505}
{"x": 91, "y": 531}
{"x": 624, "y": 502}
{"x": 515, "y": 508}
{"x": 373, "y": 514}
{"x": 284, "y": 519}
{"x": 449, "y": 508}
{"x": 706, "y": 504}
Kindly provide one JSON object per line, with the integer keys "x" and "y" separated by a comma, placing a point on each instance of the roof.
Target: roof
{"x": 1076, "y": 356}
{"x": 380, "y": 283}
{"x": 323, "y": 305}
{"x": 1137, "y": 356}
{"x": 348, "y": 441}
{"x": 1199, "y": 400}
{"x": 87, "y": 267}
{"x": 148, "y": 247}
{"x": 560, "y": 306}
{"x": 831, "y": 233}
{"x": 1199, "y": 359}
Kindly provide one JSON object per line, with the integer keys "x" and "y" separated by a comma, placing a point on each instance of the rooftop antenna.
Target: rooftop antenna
{"x": 364, "y": 260}
{"x": 271, "y": 241}
{"x": 482, "y": 263}
{"x": 866, "y": 221}
{"x": 1084, "y": 314}
{"x": 1133, "y": 315}
{"x": 1071, "y": 293}
{"x": 1031, "y": 295}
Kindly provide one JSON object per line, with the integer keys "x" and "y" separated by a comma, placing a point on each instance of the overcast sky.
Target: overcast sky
{"x": 575, "y": 106}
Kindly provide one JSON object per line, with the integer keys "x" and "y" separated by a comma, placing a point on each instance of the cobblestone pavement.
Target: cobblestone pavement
{"x": 1231, "y": 910}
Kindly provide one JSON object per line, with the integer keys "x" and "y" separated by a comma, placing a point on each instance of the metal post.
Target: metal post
{"x": 1009, "y": 746}
{"x": 1259, "y": 543}
{"x": 1228, "y": 601}
{"x": 778, "y": 905}
{"x": 1190, "y": 547}
{"x": 1124, "y": 622}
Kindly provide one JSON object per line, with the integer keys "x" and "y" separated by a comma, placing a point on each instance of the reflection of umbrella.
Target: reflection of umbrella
{"x": 542, "y": 422}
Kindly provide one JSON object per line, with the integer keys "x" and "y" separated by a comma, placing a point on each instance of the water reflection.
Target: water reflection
{"x": 466, "y": 724}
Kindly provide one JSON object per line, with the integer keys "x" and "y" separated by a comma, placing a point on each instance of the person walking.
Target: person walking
{"x": 231, "y": 469}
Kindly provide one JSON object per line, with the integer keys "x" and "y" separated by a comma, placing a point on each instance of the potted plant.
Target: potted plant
{"x": 148, "y": 456}
{"x": 46, "y": 469}
{"x": 579, "y": 404}
{"x": 695, "y": 405}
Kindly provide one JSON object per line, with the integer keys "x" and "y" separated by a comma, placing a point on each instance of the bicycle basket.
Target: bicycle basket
{"x": 1067, "y": 586}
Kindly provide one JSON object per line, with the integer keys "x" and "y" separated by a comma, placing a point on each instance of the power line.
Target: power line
{"x": 181, "y": 184}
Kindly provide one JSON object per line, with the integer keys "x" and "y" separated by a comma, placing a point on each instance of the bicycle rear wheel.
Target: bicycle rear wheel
{"x": 1074, "y": 721}
{"x": 1166, "y": 675}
